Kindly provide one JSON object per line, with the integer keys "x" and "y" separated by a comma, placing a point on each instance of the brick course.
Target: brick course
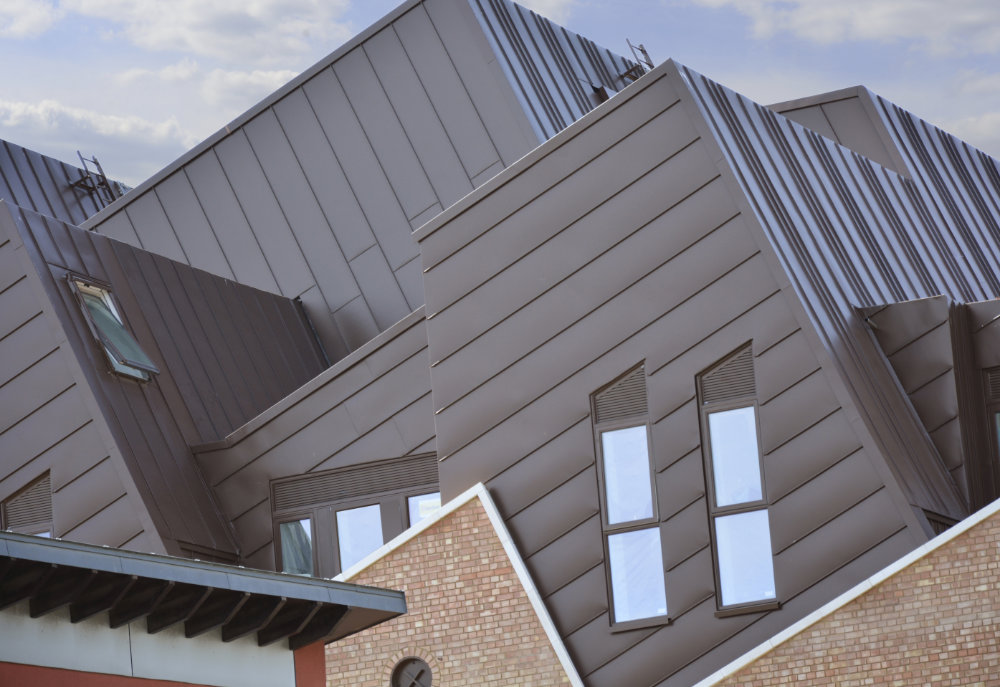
{"x": 933, "y": 622}
{"x": 467, "y": 614}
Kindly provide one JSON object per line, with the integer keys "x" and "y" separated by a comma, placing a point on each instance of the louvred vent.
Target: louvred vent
{"x": 624, "y": 398}
{"x": 993, "y": 383}
{"x": 337, "y": 485}
{"x": 732, "y": 378}
{"x": 33, "y": 506}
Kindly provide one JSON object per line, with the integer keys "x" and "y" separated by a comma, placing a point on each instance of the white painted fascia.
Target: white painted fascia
{"x": 479, "y": 491}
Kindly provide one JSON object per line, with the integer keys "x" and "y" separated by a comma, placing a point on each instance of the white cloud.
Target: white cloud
{"x": 979, "y": 84}
{"x": 184, "y": 70}
{"x": 52, "y": 115}
{"x": 27, "y": 18}
{"x": 248, "y": 31}
{"x": 956, "y": 26}
{"x": 982, "y": 131}
{"x": 556, "y": 10}
{"x": 238, "y": 88}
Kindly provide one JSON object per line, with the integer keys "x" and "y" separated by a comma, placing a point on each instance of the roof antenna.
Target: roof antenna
{"x": 641, "y": 59}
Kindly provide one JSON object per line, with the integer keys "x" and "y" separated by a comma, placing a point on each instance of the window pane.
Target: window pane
{"x": 735, "y": 464}
{"x": 123, "y": 347}
{"x": 359, "y": 532}
{"x": 746, "y": 569}
{"x": 296, "y": 547}
{"x": 422, "y": 506}
{"x": 626, "y": 475}
{"x": 637, "y": 575}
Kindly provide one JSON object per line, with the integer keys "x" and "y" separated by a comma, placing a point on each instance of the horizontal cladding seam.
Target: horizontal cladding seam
{"x": 746, "y": 627}
{"x": 539, "y": 191}
{"x": 924, "y": 331}
{"x": 27, "y": 414}
{"x": 575, "y": 270}
{"x": 765, "y": 401}
{"x": 361, "y": 435}
{"x": 596, "y": 306}
{"x": 812, "y": 478}
{"x": 588, "y": 363}
{"x": 123, "y": 495}
{"x": 802, "y": 272}
{"x": 24, "y": 324}
{"x": 34, "y": 362}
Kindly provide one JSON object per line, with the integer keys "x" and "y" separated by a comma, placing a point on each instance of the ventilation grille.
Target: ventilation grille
{"x": 733, "y": 378}
{"x": 33, "y": 506}
{"x": 993, "y": 384}
{"x": 347, "y": 483}
{"x": 624, "y": 398}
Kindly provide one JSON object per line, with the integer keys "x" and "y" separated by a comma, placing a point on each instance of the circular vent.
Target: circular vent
{"x": 411, "y": 672}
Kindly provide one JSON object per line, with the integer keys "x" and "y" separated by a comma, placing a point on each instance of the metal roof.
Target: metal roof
{"x": 51, "y": 573}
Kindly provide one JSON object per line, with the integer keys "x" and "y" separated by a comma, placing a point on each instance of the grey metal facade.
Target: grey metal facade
{"x": 314, "y": 192}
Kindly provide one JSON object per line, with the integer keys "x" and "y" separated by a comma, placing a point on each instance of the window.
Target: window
{"x": 628, "y": 498}
{"x": 29, "y": 511}
{"x": 325, "y": 522}
{"x": 411, "y": 672}
{"x": 740, "y": 527}
{"x": 106, "y": 324}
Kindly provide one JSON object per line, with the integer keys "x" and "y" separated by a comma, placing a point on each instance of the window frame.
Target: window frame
{"x": 290, "y": 517}
{"x": 120, "y": 363}
{"x": 608, "y": 530}
{"x": 393, "y": 511}
{"x": 715, "y": 511}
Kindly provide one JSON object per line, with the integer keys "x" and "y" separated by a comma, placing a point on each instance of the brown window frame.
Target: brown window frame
{"x": 714, "y": 510}
{"x": 607, "y": 529}
{"x": 393, "y": 512}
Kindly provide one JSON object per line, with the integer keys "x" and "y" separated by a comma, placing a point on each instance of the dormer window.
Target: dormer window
{"x": 105, "y": 321}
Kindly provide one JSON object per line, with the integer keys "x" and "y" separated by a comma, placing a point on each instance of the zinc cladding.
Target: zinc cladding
{"x": 43, "y": 184}
{"x": 224, "y": 351}
{"x": 632, "y": 237}
{"x": 851, "y": 233}
{"x": 373, "y": 404}
{"x": 314, "y": 192}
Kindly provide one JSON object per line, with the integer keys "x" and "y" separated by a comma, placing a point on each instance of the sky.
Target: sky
{"x": 138, "y": 82}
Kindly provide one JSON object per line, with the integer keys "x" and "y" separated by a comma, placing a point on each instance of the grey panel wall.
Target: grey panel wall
{"x": 49, "y": 421}
{"x": 850, "y": 233}
{"x": 43, "y": 184}
{"x": 555, "y": 73}
{"x": 314, "y": 193}
{"x": 615, "y": 243}
{"x": 225, "y": 352}
{"x": 373, "y": 404}
{"x": 916, "y": 337}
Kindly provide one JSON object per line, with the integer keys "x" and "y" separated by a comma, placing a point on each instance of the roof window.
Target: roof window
{"x": 106, "y": 324}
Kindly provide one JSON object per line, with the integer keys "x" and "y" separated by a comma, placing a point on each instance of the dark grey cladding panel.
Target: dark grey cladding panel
{"x": 648, "y": 263}
{"x": 849, "y": 233}
{"x": 554, "y": 72}
{"x": 45, "y": 185}
{"x": 225, "y": 352}
{"x": 314, "y": 192}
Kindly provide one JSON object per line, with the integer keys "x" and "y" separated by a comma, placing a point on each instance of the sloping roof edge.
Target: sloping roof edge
{"x": 850, "y": 595}
{"x": 249, "y": 114}
{"x": 480, "y": 491}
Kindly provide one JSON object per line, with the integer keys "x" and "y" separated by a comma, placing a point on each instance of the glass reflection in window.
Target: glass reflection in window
{"x": 627, "y": 483}
{"x": 746, "y": 571}
{"x": 637, "y": 583}
{"x": 359, "y": 532}
{"x": 735, "y": 464}
{"x": 296, "y": 546}
{"x": 422, "y": 506}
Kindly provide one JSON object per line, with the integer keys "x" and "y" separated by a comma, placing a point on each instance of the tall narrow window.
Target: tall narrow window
{"x": 108, "y": 327}
{"x": 29, "y": 511}
{"x": 740, "y": 527}
{"x": 628, "y": 498}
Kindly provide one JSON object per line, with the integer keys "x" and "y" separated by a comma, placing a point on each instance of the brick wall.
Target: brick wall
{"x": 468, "y": 615}
{"x": 935, "y": 621}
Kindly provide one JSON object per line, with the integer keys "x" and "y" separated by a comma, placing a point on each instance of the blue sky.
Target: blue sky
{"x": 138, "y": 82}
